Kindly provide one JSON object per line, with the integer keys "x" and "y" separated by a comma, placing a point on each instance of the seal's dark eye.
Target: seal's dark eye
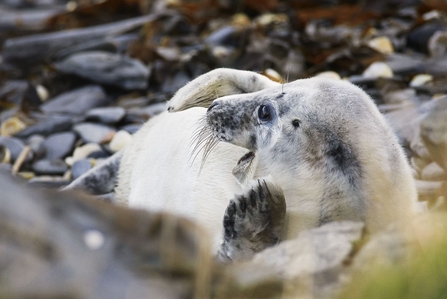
{"x": 296, "y": 123}
{"x": 265, "y": 113}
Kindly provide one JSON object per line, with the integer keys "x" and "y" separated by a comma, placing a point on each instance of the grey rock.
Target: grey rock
{"x": 14, "y": 145}
{"x": 107, "y": 115}
{"x": 434, "y": 131}
{"x": 54, "y": 124}
{"x": 132, "y": 129}
{"x": 80, "y": 167}
{"x": 405, "y": 64}
{"x": 48, "y": 182}
{"x": 38, "y": 47}
{"x": 148, "y": 111}
{"x": 59, "y": 145}
{"x": 36, "y": 144}
{"x": 107, "y": 68}
{"x": 13, "y": 91}
{"x": 433, "y": 172}
{"x": 91, "y": 132}
{"x": 99, "y": 154}
{"x": 77, "y": 101}
{"x": 5, "y": 167}
{"x": 50, "y": 167}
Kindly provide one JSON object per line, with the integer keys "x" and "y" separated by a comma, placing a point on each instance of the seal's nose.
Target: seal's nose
{"x": 214, "y": 104}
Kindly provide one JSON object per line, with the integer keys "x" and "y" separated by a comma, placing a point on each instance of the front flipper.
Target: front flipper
{"x": 202, "y": 91}
{"x": 252, "y": 222}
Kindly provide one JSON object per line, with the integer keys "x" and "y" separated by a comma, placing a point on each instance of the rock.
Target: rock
{"x": 5, "y": 155}
{"x": 13, "y": 91}
{"x": 59, "y": 145}
{"x": 437, "y": 44}
{"x": 77, "y": 101}
{"x": 377, "y": 70}
{"x": 94, "y": 133}
{"x": 14, "y": 145}
{"x": 381, "y": 44}
{"x": 329, "y": 75}
{"x": 320, "y": 252}
{"x": 50, "y": 167}
{"x": 419, "y": 38}
{"x": 107, "y": 115}
{"x": 49, "y": 182}
{"x": 80, "y": 167}
{"x": 36, "y": 48}
{"x": 120, "y": 140}
{"x": 101, "y": 154}
{"x": 42, "y": 92}
{"x": 405, "y": 64}
{"x": 107, "y": 68}
{"x": 420, "y": 79}
{"x": 434, "y": 131}
{"x": 146, "y": 112}
{"x": 433, "y": 172}
{"x": 5, "y": 168}
{"x": 11, "y": 126}
{"x": 83, "y": 152}
{"x": 132, "y": 129}
{"x": 36, "y": 142}
{"x": 54, "y": 124}
{"x": 428, "y": 188}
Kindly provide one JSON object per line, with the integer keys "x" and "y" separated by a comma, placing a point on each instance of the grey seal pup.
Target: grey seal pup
{"x": 237, "y": 145}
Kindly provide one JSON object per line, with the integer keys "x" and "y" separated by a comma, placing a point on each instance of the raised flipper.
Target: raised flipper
{"x": 202, "y": 91}
{"x": 252, "y": 222}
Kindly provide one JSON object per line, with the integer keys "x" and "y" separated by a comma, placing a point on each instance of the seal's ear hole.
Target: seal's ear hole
{"x": 296, "y": 123}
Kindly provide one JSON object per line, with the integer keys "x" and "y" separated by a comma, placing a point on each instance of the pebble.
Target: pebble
{"x": 420, "y": 80}
{"x": 329, "y": 75}
{"x": 54, "y": 124}
{"x": 437, "y": 44}
{"x": 42, "y": 92}
{"x": 50, "y": 167}
{"x": 14, "y": 145}
{"x": 102, "y": 154}
{"x": 94, "y": 133}
{"x": 83, "y": 152}
{"x": 80, "y": 167}
{"x": 132, "y": 128}
{"x": 107, "y": 68}
{"x": 51, "y": 182}
{"x": 27, "y": 175}
{"x": 11, "y": 126}
{"x": 107, "y": 115}
{"x": 120, "y": 140}
{"x": 5, "y": 154}
{"x": 433, "y": 172}
{"x": 59, "y": 145}
{"x": 378, "y": 70}
{"x": 77, "y": 101}
{"x": 5, "y": 167}
{"x": 36, "y": 144}
{"x": 381, "y": 44}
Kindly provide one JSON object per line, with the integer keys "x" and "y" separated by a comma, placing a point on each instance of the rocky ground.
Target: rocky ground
{"x": 77, "y": 78}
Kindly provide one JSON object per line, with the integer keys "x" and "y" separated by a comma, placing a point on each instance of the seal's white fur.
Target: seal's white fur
{"x": 158, "y": 173}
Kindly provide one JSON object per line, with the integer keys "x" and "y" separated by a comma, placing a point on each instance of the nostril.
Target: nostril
{"x": 212, "y": 106}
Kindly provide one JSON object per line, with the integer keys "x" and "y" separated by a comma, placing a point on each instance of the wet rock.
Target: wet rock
{"x": 77, "y": 101}
{"x": 377, "y": 70}
{"x": 107, "y": 115}
{"x": 405, "y": 64}
{"x": 49, "y": 182}
{"x": 433, "y": 172}
{"x": 94, "y": 133}
{"x": 107, "y": 68}
{"x": 434, "y": 131}
{"x": 80, "y": 167}
{"x": 53, "y": 124}
{"x": 13, "y": 91}
{"x": 101, "y": 154}
{"x": 381, "y": 44}
{"x": 420, "y": 79}
{"x": 59, "y": 145}
{"x": 14, "y": 145}
{"x": 120, "y": 140}
{"x": 83, "y": 152}
{"x": 50, "y": 167}
{"x": 36, "y": 142}
{"x": 11, "y": 126}
{"x": 419, "y": 38}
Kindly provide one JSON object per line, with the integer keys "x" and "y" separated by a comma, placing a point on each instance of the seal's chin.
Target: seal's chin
{"x": 243, "y": 171}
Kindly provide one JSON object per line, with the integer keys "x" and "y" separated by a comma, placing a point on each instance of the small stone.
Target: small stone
{"x": 83, "y": 152}
{"x": 59, "y": 145}
{"x": 107, "y": 68}
{"x": 272, "y": 75}
{"x": 27, "y": 175}
{"x": 437, "y": 44}
{"x": 14, "y": 145}
{"x": 80, "y": 167}
{"x": 5, "y": 154}
{"x": 94, "y": 239}
{"x": 54, "y": 124}
{"x": 381, "y": 44}
{"x": 99, "y": 155}
{"x": 50, "y": 167}
{"x": 120, "y": 140}
{"x": 377, "y": 70}
{"x": 52, "y": 182}
{"x": 132, "y": 129}
{"x": 42, "y": 92}
{"x": 36, "y": 144}
{"x": 329, "y": 75}
{"x": 107, "y": 115}
{"x": 11, "y": 126}
{"x": 77, "y": 101}
{"x": 433, "y": 172}
{"x": 5, "y": 167}
{"x": 420, "y": 80}
{"x": 93, "y": 133}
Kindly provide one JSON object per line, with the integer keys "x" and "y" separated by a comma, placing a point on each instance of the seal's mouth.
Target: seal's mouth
{"x": 247, "y": 158}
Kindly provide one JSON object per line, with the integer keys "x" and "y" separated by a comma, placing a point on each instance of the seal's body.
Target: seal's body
{"x": 322, "y": 141}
